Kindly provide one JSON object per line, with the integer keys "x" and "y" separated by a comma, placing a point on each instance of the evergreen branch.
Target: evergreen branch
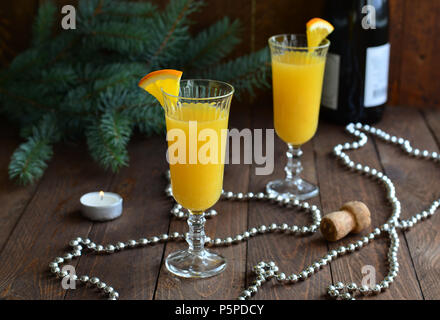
{"x": 36, "y": 59}
{"x": 116, "y": 129}
{"x": 114, "y": 75}
{"x": 73, "y": 105}
{"x": 25, "y": 100}
{"x": 143, "y": 110}
{"x": 42, "y": 27}
{"x": 62, "y": 76}
{"x": 120, "y": 35}
{"x": 213, "y": 44}
{"x": 244, "y": 73}
{"x": 124, "y": 38}
{"x": 47, "y": 129}
{"x": 129, "y": 11}
{"x": 150, "y": 120}
{"x": 90, "y": 73}
{"x": 22, "y": 61}
{"x": 89, "y": 9}
{"x": 171, "y": 24}
{"x": 65, "y": 49}
{"x": 107, "y": 140}
{"x": 83, "y": 82}
{"x": 29, "y": 160}
{"x": 102, "y": 85}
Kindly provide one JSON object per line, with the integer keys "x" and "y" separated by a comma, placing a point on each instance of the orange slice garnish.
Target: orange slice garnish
{"x": 167, "y": 80}
{"x": 317, "y": 30}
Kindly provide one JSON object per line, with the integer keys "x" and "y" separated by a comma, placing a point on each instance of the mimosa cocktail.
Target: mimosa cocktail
{"x": 297, "y": 76}
{"x": 199, "y": 116}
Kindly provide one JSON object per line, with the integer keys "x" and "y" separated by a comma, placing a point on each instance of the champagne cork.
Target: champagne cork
{"x": 353, "y": 217}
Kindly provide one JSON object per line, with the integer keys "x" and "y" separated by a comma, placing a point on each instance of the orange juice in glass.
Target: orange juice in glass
{"x": 297, "y": 84}
{"x": 198, "y": 119}
{"x": 297, "y": 76}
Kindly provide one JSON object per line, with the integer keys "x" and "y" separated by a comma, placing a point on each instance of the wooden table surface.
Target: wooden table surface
{"x": 37, "y": 222}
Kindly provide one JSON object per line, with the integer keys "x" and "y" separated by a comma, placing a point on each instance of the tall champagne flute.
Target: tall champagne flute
{"x": 297, "y": 76}
{"x": 200, "y": 110}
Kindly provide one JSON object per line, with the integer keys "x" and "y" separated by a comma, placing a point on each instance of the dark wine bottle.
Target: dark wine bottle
{"x": 356, "y": 75}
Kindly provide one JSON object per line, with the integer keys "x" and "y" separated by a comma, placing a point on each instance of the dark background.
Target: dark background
{"x": 414, "y": 34}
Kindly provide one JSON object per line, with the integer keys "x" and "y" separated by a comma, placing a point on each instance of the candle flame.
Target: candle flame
{"x": 101, "y": 194}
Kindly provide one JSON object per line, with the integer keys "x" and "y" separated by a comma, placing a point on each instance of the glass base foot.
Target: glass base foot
{"x": 297, "y": 189}
{"x": 203, "y": 264}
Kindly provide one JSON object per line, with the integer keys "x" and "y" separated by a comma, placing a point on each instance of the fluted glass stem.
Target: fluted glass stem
{"x": 292, "y": 186}
{"x": 293, "y": 167}
{"x": 196, "y": 235}
{"x": 195, "y": 261}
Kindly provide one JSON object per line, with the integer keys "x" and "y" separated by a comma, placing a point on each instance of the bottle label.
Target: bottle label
{"x": 376, "y": 75}
{"x": 330, "y": 88}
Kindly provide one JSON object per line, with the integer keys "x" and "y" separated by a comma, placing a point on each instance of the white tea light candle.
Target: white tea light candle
{"x": 101, "y": 206}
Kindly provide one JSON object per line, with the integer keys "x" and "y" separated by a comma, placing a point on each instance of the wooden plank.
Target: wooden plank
{"x": 133, "y": 272}
{"x": 13, "y": 198}
{"x": 420, "y": 55}
{"x": 338, "y": 185}
{"x": 432, "y": 118}
{"x": 231, "y": 220}
{"x": 292, "y": 254}
{"x": 49, "y": 222}
{"x": 417, "y": 185}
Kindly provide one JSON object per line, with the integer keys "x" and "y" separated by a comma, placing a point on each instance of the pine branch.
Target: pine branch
{"x": 125, "y": 38}
{"x": 151, "y": 121}
{"x": 135, "y": 12}
{"x": 29, "y": 160}
{"x": 169, "y": 31}
{"x": 64, "y": 44}
{"x": 42, "y": 27}
{"x": 27, "y": 59}
{"x": 44, "y": 52}
{"x": 89, "y": 9}
{"x": 83, "y": 82}
{"x": 143, "y": 110}
{"x": 62, "y": 77}
{"x": 212, "y": 44}
{"x": 107, "y": 140}
{"x": 74, "y": 104}
{"x": 244, "y": 73}
{"x": 62, "y": 47}
{"x": 127, "y": 75}
{"x": 29, "y": 63}
{"x": 116, "y": 129}
{"x": 22, "y": 100}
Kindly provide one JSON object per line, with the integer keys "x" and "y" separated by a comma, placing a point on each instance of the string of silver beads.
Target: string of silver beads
{"x": 315, "y": 213}
{"x": 266, "y": 271}
{"x": 348, "y": 291}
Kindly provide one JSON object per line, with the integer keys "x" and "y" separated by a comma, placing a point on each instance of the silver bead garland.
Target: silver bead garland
{"x": 265, "y": 271}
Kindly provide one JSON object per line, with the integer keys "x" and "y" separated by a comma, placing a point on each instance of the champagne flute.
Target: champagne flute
{"x": 297, "y": 76}
{"x": 200, "y": 109}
